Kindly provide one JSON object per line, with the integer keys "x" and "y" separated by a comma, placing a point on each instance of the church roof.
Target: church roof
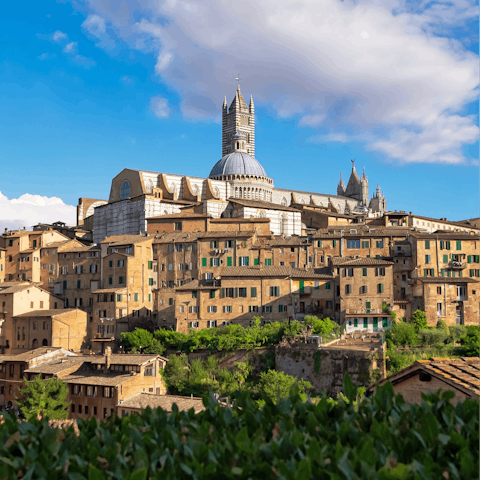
{"x": 238, "y": 101}
{"x": 237, "y": 163}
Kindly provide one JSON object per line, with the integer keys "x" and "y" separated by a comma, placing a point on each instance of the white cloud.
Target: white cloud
{"x": 59, "y": 36}
{"x": 28, "y": 210}
{"x": 126, "y": 80}
{"x": 95, "y": 25}
{"x": 364, "y": 65}
{"x": 71, "y": 48}
{"x": 84, "y": 61}
{"x": 47, "y": 56}
{"x": 159, "y": 107}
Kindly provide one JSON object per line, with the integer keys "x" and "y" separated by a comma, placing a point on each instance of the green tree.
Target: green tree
{"x": 275, "y": 385}
{"x": 45, "y": 397}
{"x": 419, "y": 320}
{"x": 471, "y": 342}
{"x": 402, "y": 334}
{"x": 176, "y": 373}
{"x": 132, "y": 341}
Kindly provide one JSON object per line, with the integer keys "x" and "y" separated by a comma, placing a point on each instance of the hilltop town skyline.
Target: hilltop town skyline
{"x": 92, "y": 87}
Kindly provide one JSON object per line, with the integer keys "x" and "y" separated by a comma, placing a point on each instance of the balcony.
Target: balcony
{"x": 402, "y": 253}
{"x": 454, "y": 265}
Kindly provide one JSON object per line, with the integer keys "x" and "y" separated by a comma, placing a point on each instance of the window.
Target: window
{"x": 348, "y": 272}
{"x": 428, "y": 259}
{"x": 439, "y": 290}
{"x": 317, "y": 285}
{"x": 380, "y": 272}
{"x": 110, "y": 263}
{"x": 445, "y": 259}
{"x": 253, "y": 292}
{"x": 212, "y": 309}
{"x": 319, "y": 243}
{"x": 178, "y": 247}
{"x": 268, "y": 261}
{"x": 91, "y": 391}
{"x": 267, "y": 309}
{"x": 12, "y": 371}
{"x": 121, "y": 263}
{"x": 380, "y": 288}
{"x": 365, "y": 244}
{"x": 227, "y": 309}
{"x": 211, "y": 323}
{"x": 364, "y": 272}
{"x": 353, "y": 243}
{"x": 439, "y": 309}
{"x": 327, "y": 286}
{"x": 243, "y": 261}
{"x": 274, "y": 291}
{"x": 128, "y": 250}
{"x": 348, "y": 289}
{"x": 363, "y": 289}
{"x": 212, "y": 294}
{"x": 253, "y": 308}
{"x": 365, "y": 322}
{"x": 193, "y": 324}
{"x": 242, "y": 292}
{"x": 93, "y": 268}
{"x": 214, "y": 262}
{"x": 379, "y": 243}
{"x": 178, "y": 226}
{"x": 125, "y": 190}
{"x": 459, "y": 244}
{"x": 204, "y": 262}
{"x": 121, "y": 280}
{"x": 150, "y": 265}
{"x": 427, "y": 244}
{"x": 170, "y": 301}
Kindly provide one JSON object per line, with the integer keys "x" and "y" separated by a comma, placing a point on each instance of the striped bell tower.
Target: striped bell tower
{"x": 238, "y": 118}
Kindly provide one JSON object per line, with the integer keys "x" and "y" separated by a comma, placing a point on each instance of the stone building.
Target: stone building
{"x": 364, "y": 286}
{"x": 3, "y": 253}
{"x": 238, "y": 186}
{"x": 18, "y": 298}
{"x": 60, "y": 328}
{"x": 96, "y": 383}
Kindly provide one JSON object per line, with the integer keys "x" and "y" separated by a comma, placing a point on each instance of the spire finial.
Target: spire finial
{"x": 237, "y": 78}
{"x": 353, "y": 164}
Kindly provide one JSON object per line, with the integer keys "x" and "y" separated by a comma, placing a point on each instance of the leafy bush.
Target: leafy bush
{"x": 471, "y": 343}
{"x": 402, "y": 334}
{"x": 434, "y": 336}
{"x": 378, "y": 438}
{"x": 419, "y": 320}
{"x": 141, "y": 340}
{"x": 276, "y": 385}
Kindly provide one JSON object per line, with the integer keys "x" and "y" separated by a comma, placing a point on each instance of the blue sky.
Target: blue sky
{"x": 90, "y": 88}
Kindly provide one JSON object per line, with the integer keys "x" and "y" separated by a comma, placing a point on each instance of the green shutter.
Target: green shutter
{"x": 149, "y": 297}
{"x": 211, "y": 262}
{"x": 223, "y": 293}
{"x": 365, "y": 322}
{"x": 425, "y": 272}
{"x": 364, "y": 271}
{"x": 459, "y": 244}
{"x": 471, "y": 272}
{"x": 212, "y": 293}
{"x": 427, "y": 244}
{"x": 334, "y": 243}
{"x": 229, "y": 261}
{"x": 445, "y": 259}
{"x": 253, "y": 292}
{"x": 327, "y": 286}
{"x": 319, "y": 243}
{"x": 449, "y": 273}
{"x": 236, "y": 292}
{"x": 256, "y": 261}
{"x": 150, "y": 281}
{"x": 355, "y": 322}
{"x": 469, "y": 259}
{"x": 460, "y": 273}
{"x": 302, "y": 286}
{"x": 110, "y": 280}
{"x": 375, "y": 322}
{"x": 204, "y": 262}
{"x": 150, "y": 265}
{"x": 442, "y": 272}
{"x": 110, "y": 263}
{"x": 135, "y": 297}
{"x": 248, "y": 261}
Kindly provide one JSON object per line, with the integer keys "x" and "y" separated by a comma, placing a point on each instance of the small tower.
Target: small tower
{"x": 238, "y": 118}
{"x": 341, "y": 186}
{"x": 239, "y": 143}
{"x": 364, "y": 184}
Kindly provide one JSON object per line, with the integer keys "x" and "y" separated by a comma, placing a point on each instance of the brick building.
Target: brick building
{"x": 428, "y": 376}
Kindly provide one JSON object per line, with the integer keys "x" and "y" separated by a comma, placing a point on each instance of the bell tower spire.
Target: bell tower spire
{"x": 238, "y": 118}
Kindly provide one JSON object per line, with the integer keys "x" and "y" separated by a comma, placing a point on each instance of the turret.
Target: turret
{"x": 251, "y": 106}
{"x": 341, "y": 186}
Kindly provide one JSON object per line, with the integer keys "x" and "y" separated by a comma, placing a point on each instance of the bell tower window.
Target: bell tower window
{"x": 125, "y": 190}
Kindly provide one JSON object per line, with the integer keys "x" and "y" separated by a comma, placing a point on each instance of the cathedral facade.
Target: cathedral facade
{"x": 237, "y": 186}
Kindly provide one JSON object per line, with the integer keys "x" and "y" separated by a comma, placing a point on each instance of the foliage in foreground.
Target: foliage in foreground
{"x": 377, "y": 438}
{"x": 229, "y": 338}
{"x": 45, "y": 397}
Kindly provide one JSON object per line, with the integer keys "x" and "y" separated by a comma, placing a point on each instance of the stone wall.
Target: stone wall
{"x": 326, "y": 366}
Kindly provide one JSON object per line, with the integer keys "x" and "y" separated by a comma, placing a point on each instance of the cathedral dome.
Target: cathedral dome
{"x": 237, "y": 163}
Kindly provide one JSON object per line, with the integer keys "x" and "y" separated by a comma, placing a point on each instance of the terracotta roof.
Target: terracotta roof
{"x": 14, "y": 289}
{"x": 14, "y": 284}
{"x": 110, "y": 290}
{"x": 273, "y": 271}
{"x": 227, "y": 234}
{"x": 166, "y": 402}
{"x": 447, "y": 280}
{"x": 56, "y": 244}
{"x": 362, "y": 231}
{"x": 450, "y": 235}
{"x": 279, "y": 240}
{"x": 197, "y": 285}
{"x": 37, "y": 352}
{"x": 178, "y": 237}
{"x": 125, "y": 359}
{"x": 261, "y": 204}
{"x": 57, "y": 365}
{"x": 126, "y": 239}
{"x": 461, "y": 373}
{"x": 47, "y": 313}
{"x": 97, "y": 378}
{"x": 344, "y": 261}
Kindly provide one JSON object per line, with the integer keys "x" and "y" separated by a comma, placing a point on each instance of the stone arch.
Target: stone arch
{"x": 44, "y": 343}
{"x": 35, "y": 343}
{"x": 216, "y": 191}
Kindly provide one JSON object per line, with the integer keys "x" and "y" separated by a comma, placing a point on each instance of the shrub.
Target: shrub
{"x": 471, "y": 343}
{"x": 419, "y": 320}
{"x": 402, "y": 334}
{"x": 377, "y": 438}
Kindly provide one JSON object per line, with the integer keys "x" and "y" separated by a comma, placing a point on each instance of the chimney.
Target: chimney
{"x": 108, "y": 356}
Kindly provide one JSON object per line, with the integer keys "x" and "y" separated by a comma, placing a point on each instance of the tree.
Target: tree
{"x": 403, "y": 334}
{"x": 419, "y": 320}
{"x": 142, "y": 340}
{"x": 471, "y": 342}
{"x": 45, "y": 397}
{"x": 275, "y": 385}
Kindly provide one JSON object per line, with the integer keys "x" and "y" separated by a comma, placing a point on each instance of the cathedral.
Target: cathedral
{"x": 237, "y": 187}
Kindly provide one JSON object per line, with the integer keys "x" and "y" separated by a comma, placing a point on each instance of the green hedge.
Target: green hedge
{"x": 377, "y": 438}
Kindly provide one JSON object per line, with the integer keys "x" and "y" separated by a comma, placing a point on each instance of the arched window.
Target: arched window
{"x": 238, "y": 145}
{"x": 283, "y": 224}
{"x": 35, "y": 343}
{"x": 125, "y": 190}
{"x": 284, "y": 201}
{"x": 44, "y": 342}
